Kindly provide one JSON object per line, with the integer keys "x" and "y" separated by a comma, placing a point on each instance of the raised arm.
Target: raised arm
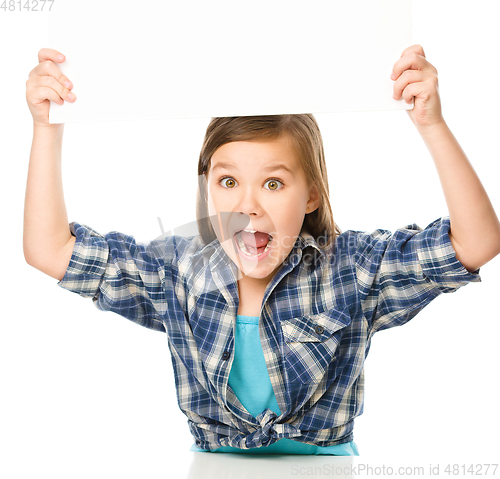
{"x": 47, "y": 240}
{"x": 474, "y": 225}
{"x": 475, "y": 229}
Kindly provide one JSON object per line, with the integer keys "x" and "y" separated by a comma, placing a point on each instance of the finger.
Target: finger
{"x": 407, "y": 77}
{"x": 414, "y": 48}
{"x": 413, "y": 90}
{"x": 39, "y": 94}
{"x": 50, "y": 54}
{"x": 51, "y": 82}
{"x": 411, "y": 61}
{"x": 49, "y": 68}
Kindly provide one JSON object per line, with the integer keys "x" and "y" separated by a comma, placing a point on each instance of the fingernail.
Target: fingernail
{"x": 393, "y": 76}
{"x": 61, "y": 57}
{"x": 71, "y": 96}
{"x": 67, "y": 83}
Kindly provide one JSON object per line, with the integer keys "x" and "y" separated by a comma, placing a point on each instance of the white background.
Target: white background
{"x": 90, "y": 394}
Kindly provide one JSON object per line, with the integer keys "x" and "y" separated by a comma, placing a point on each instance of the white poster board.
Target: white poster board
{"x": 161, "y": 59}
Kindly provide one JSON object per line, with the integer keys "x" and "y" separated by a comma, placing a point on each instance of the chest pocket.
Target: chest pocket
{"x": 310, "y": 344}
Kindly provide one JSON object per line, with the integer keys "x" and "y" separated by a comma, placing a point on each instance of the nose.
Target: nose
{"x": 249, "y": 203}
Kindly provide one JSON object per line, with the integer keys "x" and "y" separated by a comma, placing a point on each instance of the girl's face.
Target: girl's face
{"x": 258, "y": 186}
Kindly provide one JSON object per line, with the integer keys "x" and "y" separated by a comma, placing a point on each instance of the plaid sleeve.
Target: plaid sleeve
{"x": 117, "y": 273}
{"x": 399, "y": 274}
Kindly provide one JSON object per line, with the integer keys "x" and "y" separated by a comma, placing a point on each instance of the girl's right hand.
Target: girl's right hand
{"x": 46, "y": 82}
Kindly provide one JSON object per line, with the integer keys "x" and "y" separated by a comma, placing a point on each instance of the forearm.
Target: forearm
{"x": 475, "y": 228}
{"x": 46, "y": 229}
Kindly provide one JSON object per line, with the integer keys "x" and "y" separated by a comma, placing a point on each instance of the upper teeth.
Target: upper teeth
{"x": 253, "y": 231}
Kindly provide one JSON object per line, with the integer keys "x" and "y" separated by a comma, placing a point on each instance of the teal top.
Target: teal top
{"x": 250, "y": 381}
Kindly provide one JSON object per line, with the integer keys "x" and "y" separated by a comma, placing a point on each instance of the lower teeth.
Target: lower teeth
{"x": 243, "y": 248}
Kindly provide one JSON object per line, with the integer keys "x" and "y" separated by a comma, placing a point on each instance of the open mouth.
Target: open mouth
{"x": 253, "y": 243}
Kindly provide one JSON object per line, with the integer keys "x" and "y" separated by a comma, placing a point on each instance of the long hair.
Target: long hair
{"x": 306, "y": 138}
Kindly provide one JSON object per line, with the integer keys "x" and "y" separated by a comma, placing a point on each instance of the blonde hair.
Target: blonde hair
{"x": 306, "y": 138}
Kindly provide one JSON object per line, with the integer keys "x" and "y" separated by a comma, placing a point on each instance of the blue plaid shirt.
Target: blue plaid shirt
{"x": 317, "y": 319}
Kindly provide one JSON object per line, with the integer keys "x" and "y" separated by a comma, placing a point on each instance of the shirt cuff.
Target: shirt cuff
{"x": 88, "y": 261}
{"x": 438, "y": 258}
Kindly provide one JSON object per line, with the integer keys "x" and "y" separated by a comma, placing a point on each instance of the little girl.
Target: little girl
{"x": 270, "y": 309}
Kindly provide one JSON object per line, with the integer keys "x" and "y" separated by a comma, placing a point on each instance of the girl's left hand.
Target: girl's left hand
{"x": 415, "y": 77}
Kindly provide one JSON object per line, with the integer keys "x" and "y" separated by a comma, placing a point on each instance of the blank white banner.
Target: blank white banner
{"x": 161, "y": 59}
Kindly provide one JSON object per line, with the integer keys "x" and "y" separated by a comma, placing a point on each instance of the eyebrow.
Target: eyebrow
{"x": 273, "y": 167}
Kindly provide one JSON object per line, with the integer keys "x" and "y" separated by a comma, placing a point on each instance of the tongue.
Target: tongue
{"x": 255, "y": 242}
{"x": 255, "y": 239}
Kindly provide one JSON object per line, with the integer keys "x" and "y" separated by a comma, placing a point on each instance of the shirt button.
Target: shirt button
{"x": 319, "y": 329}
{"x": 225, "y": 355}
